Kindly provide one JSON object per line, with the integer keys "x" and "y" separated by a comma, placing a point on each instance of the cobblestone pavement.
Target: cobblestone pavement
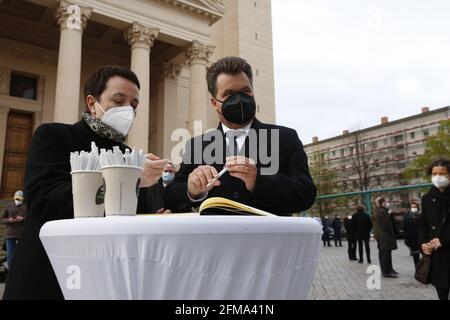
{"x": 337, "y": 278}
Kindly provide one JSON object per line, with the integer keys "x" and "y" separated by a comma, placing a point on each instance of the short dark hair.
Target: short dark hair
{"x": 96, "y": 83}
{"x": 380, "y": 201}
{"x": 415, "y": 203}
{"x": 438, "y": 163}
{"x": 227, "y": 65}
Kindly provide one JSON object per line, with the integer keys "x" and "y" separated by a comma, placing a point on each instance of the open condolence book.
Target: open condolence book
{"x": 222, "y": 206}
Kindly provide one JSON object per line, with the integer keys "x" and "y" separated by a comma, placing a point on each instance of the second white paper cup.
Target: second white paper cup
{"x": 121, "y": 190}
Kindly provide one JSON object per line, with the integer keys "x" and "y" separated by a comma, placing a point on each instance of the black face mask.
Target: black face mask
{"x": 239, "y": 108}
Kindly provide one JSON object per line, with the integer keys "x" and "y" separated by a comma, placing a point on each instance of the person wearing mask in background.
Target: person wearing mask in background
{"x": 112, "y": 97}
{"x": 385, "y": 235}
{"x": 14, "y": 218}
{"x": 362, "y": 225}
{"x": 154, "y": 202}
{"x": 284, "y": 189}
{"x": 412, "y": 223}
{"x": 337, "y": 225}
{"x": 435, "y": 229}
{"x": 326, "y": 235}
{"x": 350, "y": 234}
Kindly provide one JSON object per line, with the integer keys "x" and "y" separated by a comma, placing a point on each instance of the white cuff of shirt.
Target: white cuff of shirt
{"x": 204, "y": 196}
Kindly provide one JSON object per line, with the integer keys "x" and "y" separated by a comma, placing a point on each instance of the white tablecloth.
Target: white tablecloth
{"x": 184, "y": 257}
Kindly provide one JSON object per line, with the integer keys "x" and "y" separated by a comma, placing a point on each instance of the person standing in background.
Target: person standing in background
{"x": 337, "y": 225}
{"x": 411, "y": 227}
{"x": 435, "y": 229}
{"x": 14, "y": 218}
{"x": 385, "y": 235}
{"x": 350, "y": 234}
{"x": 362, "y": 226}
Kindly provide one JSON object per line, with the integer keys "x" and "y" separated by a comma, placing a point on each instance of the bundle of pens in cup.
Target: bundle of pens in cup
{"x": 106, "y": 182}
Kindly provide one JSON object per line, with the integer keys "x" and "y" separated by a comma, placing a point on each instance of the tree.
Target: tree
{"x": 437, "y": 146}
{"x": 326, "y": 183}
{"x": 364, "y": 167}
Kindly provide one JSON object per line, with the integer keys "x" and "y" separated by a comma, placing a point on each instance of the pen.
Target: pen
{"x": 221, "y": 173}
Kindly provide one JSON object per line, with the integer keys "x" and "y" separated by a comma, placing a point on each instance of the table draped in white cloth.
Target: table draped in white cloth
{"x": 180, "y": 257}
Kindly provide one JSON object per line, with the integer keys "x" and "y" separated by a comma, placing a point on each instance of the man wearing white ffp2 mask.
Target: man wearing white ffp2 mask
{"x": 118, "y": 118}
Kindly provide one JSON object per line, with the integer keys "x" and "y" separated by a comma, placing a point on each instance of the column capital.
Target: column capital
{"x": 169, "y": 71}
{"x": 140, "y": 36}
{"x": 199, "y": 52}
{"x": 72, "y": 16}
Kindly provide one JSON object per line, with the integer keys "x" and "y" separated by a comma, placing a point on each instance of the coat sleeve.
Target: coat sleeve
{"x": 424, "y": 227}
{"x": 48, "y": 186}
{"x": 5, "y": 216}
{"x": 292, "y": 190}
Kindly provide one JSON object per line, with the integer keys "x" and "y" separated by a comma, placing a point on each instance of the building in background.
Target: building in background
{"x": 374, "y": 157}
{"x": 48, "y": 48}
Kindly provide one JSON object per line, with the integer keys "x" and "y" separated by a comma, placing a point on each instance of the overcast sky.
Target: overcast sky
{"x": 343, "y": 64}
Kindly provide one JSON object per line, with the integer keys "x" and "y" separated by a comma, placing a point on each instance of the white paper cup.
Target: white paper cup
{"x": 88, "y": 195}
{"x": 121, "y": 190}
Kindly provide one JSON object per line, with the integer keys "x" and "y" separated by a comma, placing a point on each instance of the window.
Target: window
{"x": 351, "y": 149}
{"x": 385, "y": 142}
{"x": 414, "y": 154}
{"x": 401, "y": 165}
{"x": 398, "y": 139}
{"x": 378, "y": 181}
{"x": 374, "y": 145}
{"x": 256, "y": 36}
{"x": 342, "y": 152}
{"x": 333, "y": 153}
{"x": 412, "y": 135}
{"x": 426, "y": 133}
{"x": 377, "y": 163}
{"x": 23, "y": 86}
{"x": 322, "y": 156}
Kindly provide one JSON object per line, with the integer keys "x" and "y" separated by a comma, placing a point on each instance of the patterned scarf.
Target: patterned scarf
{"x": 102, "y": 129}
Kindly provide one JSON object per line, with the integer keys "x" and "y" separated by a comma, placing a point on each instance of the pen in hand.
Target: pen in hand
{"x": 221, "y": 173}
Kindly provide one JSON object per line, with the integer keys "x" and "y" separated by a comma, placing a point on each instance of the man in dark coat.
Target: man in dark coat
{"x": 280, "y": 184}
{"x": 351, "y": 239}
{"x": 385, "y": 235}
{"x": 337, "y": 225}
{"x": 435, "y": 230}
{"x": 48, "y": 186}
{"x": 326, "y": 228}
{"x": 362, "y": 225}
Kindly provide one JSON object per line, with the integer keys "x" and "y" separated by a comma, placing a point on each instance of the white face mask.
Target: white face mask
{"x": 440, "y": 182}
{"x": 119, "y": 118}
{"x": 18, "y": 202}
{"x": 414, "y": 210}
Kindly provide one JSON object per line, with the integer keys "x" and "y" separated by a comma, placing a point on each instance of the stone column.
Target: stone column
{"x": 3, "y": 126}
{"x": 198, "y": 55}
{"x": 72, "y": 20}
{"x": 167, "y": 107}
{"x": 141, "y": 40}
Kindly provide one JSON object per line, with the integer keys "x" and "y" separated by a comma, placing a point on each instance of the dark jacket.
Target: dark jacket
{"x": 362, "y": 225}
{"x": 411, "y": 227}
{"x": 384, "y": 230}
{"x": 436, "y": 224}
{"x": 14, "y": 230}
{"x": 290, "y": 190}
{"x": 154, "y": 200}
{"x": 349, "y": 229}
{"x": 48, "y": 190}
{"x": 336, "y": 225}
